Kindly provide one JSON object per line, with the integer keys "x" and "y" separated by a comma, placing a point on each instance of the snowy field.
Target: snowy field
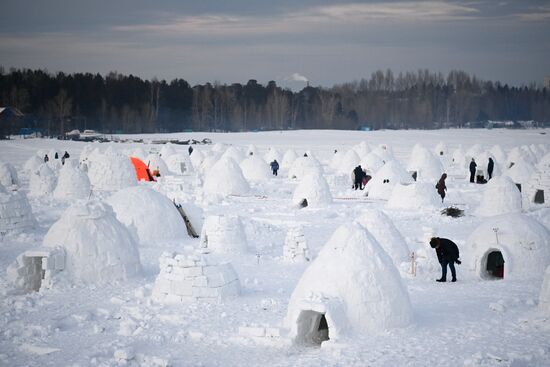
{"x": 378, "y": 312}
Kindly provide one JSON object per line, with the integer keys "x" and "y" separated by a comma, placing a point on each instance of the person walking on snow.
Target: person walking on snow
{"x": 490, "y": 167}
{"x": 447, "y": 254}
{"x": 357, "y": 177}
{"x": 473, "y": 167}
{"x": 274, "y": 167}
{"x": 441, "y": 188}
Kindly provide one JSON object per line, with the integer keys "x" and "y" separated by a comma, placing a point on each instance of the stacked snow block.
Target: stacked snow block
{"x": 538, "y": 188}
{"x": 15, "y": 212}
{"x": 295, "y": 248}
{"x": 184, "y": 279}
{"x": 35, "y": 268}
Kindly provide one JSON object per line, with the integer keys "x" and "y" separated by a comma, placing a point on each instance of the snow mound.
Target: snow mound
{"x": 500, "y": 196}
{"x": 349, "y": 161}
{"x": 251, "y": 150}
{"x": 225, "y": 178}
{"x": 362, "y": 149}
{"x": 441, "y": 149}
{"x": 156, "y": 163}
{"x": 224, "y": 234}
{"x": 384, "y": 180}
{"x": 498, "y": 153}
{"x": 518, "y": 154}
{"x": 521, "y": 171}
{"x": 32, "y": 164}
{"x": 523, "y": 242}
{"x": 42, "y": 181}
{"x": 152, "y": 214}
{"x": 110, "y": 171}
{"x": 8, "y": 175}
{"x": 372, "y": 163}
{"x": 15, "y": 211}
{"x": 179, "y": 163}
{"x": 98, "y": 248}
{"x": 197, "y": 277}
{"x": 544, "y": 297}
{"x": 304, "y": 166}
{"x": 271, "y": 155}
{"x": 207, "y": 163}
{"x": 459, "y": 158}
{"x": 289, "y": 158}
{"x": 415, "y": 196}
{"x": 314, "y": 189}
{"x": 196, "y": 158}
{"x": 255, "y": 169}
{"x": 72, "y": 184}
{"x": 385, "y": 152}
{"x": 354, "y": 285}
{"x": 426, "y": 165}
{"x": 381, "y": 227}
{"x": 235, "y": 153}
{"x": 167, "y": 150}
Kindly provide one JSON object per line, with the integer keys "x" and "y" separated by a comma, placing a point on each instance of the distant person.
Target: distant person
{"x": 46, "y": 158}
{"x": 473, "y": 167}
{"x": 441, "y": 188}
{"x": 365, "y": 179}
{"x": 190, "y": 150}
{"x": 335, "y": 151}
{"x": 305, "y": 154}
{"x": 490, "y": 168}
{"x": 447, "y": 254}
{"x": 65, "y": 156}
{"x": 357, "y": 177}
{"x": 274, "y": 167}
{"x": 56, "y": 155}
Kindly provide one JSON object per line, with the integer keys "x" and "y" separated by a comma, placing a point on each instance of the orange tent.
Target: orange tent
{"x": 142, "y": 171}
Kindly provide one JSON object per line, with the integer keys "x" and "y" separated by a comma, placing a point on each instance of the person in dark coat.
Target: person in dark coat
{"x": 490, "y": 167}
{"x": 66, "y": 155}
{"x": 56, "y": 155}
{"x": 46, "y": 158}
{"x": 190, "y": 150}
{"x": 441, "y": 188}
{"x": 447, "y": 254}
{"x": 274, "y": 167}
{"x": 357, "y": 177}
{"x": 473, "y": 167}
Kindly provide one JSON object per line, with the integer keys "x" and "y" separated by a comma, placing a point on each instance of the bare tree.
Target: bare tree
{"x": 61, "y": 106}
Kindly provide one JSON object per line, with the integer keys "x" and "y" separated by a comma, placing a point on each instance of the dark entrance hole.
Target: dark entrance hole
{"x": 539, "y": 197}
{"x": 303, "y": 203}
{"x": 495, "y": 265}
{"x": 312, "y": 328}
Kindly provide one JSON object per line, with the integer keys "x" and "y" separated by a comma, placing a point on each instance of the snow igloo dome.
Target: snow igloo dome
{"x": 42, "y": 181}
{"x": 289, "y": 158}
{"x": 224, "y": 234}
{"x": 225, "y": 178}
{"x": 15, "y": 211}
{"x": 384, "y": 180}
{"x": 152, "y": 214}
{"x": 72, "y": 184}
{"x": 500, "y": 196}
{"x": 425, "y": 164}
{"x": 255, "y": 169}
{"x": 509, "y": 246}
{"x": 419, "y": 195}
{"x": 8, "y": 175}
{"x": 156, "y": 163}
{"x": 348, "y": 162}
{"x": 312, "y": 191}
{"x": 304, "y": 166}
{"x": 32, "y": 164}
{"x": 351, "y": 287}
{"x": 98, "y": 248}
{"x": 110, "y": 171}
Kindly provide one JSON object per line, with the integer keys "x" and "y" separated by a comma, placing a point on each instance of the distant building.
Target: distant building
{"x": 10, "y": 121}
{"x": 547, "y": 81}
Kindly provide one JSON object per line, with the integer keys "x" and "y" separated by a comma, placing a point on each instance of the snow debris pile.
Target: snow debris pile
{"x": 312, "y": 191}
{"x": 72, "y": 183}
{"x": 384, "y": 180}
{"x": 255, "y": 169}
{"x": 42, "y": 181}
{"x": 151, "y": 213}
{"x": 224, "y": 234}
{"x": 8, "y": 175}
{"x": 351, "y": 287}
{"x": 510, "y": 246}
{"x": 15, "y": 211}
{"x": 110, "y": 171}
{"x": 544, "y": 298}
{"x": 427, "y": 167}
{"x": 304, "y": 166}
{"x": 184, "y": 279}
{"x": 500, "y": 196}
{"x": 420, "y": 195}
{"x": 295, "y": 248}
{"x": 225, "y": 178}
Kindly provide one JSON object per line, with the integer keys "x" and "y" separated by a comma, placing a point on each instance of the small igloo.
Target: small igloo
{"x": 520, "y": 172}
{"x": 207, "y": 163}
{"x": 32, "y": 164}
{"x": 72, "y": 184}
{"x": 251, "y": 150}
{"x": 42, "y": 182}
{"x": 498, "y": 153}
{"x": 500, "y": 196}
{"x": 362, "y": 149}
{"x": 153, "y": 215}
{"x": 544, "y": 297}
{"x": 424, "y": 165}
{"x": 304, "y": 166}
{"x": 96, "y": 247}
{"x": 381, "y": 227}
{"x": 348, "y": 162}
{"x": 509, "y": 246}
{"x": 235, "y": 153}
{"x": 336, "y": 159}
{"x": 179, "y": 163}
{"x": 8, "y": 175}
{"x": 110, "y": 171}
{"x": 157, "y": 164}
{"x": 352, "y": 287}
{"x": 419, "y": 195}
{"x": 195, "y": 277}
{"x": 289, "y": 158}
{"x": 295, "y": 249}
{"x": 224, "y": 234}
{"x": 385, "y": 152}
{"x": 15, "y": 211}
{"x": 441, "y": 149}
{"x": 271, "y": 155}
{"x": 312, "y": 191}
{"x": 255, "y": 169}
{"x": 537, "y": 189}
{"x": 383, "y": 181}
{"x": 371, "y": 163}
{"x": 225, "y": 178}
{"x": 167, "y": 150}
{"x": 196, "y": 157}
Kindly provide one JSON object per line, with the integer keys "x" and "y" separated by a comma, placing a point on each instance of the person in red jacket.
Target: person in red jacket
{"x": 447, "y": 254}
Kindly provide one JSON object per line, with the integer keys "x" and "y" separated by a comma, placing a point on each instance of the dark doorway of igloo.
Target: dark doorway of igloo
{"x": 495, "y": 265}
{"x": 539, "y": 197}
{"x": 303, "y": 203}
{"x": 312, "y": 328}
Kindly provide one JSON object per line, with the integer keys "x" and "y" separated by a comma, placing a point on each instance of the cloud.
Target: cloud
{"x": 296, "y": 77}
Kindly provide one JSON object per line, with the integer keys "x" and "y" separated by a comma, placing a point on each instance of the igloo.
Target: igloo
{"x": 152, "y": 214}
{"x": 8, "y": 175}
{"x": 196, "y": 157}
{"x": 509, "y": 246}
{"x": 139, "y": 153}
{"x": 520, "y": 172}
{"x": 312, "y": 191}
{"x": 255, "y": 169}
{"x": 427, "y": 167}
{"x": 348, "y": 162}
{"x": 459, "y": 158}
{"x": 234, "y": 153}
{"x": 96, "y": 247}
{"x": 500, "y": 196}
{"x": 167, "y": 150}
{"x": 385, "y": 152}
{"x": 304, "y": 166}
{"x": 225, "y": 178}
{"x": 537, "y": 190}
{"x": 157, "y": 164}
{"x": 251, "y": 150}
{"x": 110, "y": 171}
{"x": 419, "y": 195}
{"x": 383, "y": 181}
{"x": 362, "y": 149}
{"x": 271, "y": 155}
{"x": 295, "y": 248}
{"x": 544, "y": 297}
{"x": 15, "y": 211}
{"x": 195, "y": 277}
{"x": 207, "y": 163}
{"x": 179, "y": 163}
{"x": 336, "y": 159}
{"x": 289, "y": 158}
{"x": 519, "y": 154}
{"x": 32, "y": 164}
{"x": 372, "y": 163}
{"x": 352, "y": 287}
{"x": 224, "y": 234}
{"x": 441, "y": 149}
{"x": 498, "y": 153}
{"x": 42, "y": 182}
{"x": 381, "y": 227}
{"x": 72, "y": 184}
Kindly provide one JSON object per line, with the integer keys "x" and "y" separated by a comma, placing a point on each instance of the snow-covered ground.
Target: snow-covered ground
{"x": 473, "y": 322}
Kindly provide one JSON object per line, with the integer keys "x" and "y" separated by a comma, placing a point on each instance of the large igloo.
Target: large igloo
{"x": 312, "y": 191}
{"x": 8, "y": 175}
{"x": 32, "y": 164}
{"x": 520, "y": 172}
{"x": 419, "y": 195}
{"x": 110, "y": 171}
{"x": 272, "y": 154}
{"x": 384, "y": 180}
{"x": 255, "y": 169}
{"x": 15, "y": 211}
{"x": 509, "y": 246}
{"x": 153, "y": 215}
{"x": 352, "y": 287}
{"x": 72, "y": 184}
{"x": 428, "y": 168}
{"x": 225, "y": 178}
{"x": 383, "y": 230}
{"x": 224, "y": 234}
{"x": 196, "y": 157}
{"x": 42, "y": 182}
{"x": 500, "y": 196}
{"x": 304, "y": 166}
{"x": 98, "y": 248}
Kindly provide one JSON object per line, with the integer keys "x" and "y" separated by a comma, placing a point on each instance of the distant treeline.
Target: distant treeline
{"x": 61, "y": 102}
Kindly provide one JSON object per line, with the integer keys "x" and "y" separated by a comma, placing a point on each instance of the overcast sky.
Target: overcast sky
{"x": 327, "y": 42}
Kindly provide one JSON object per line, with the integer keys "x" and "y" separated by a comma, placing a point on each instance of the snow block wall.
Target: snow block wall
{"x": 224, "y": 234}
{"x": 15, "y": 211}
{"x": 295, "y": 248}
{"x": 42, "y": 181}
{"x": 500, "y": 196}
{"x": 110, "y": 171}
{"x": 36, "y": 268}
{"x": 184, "y": 279}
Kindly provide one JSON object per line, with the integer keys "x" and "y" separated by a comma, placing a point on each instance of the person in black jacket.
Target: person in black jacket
{"x": 473, "y": 167}
{"x": 490, "y": 167}
{"x": 357, "y": 177}
{"x": 447, "y": 254}
{"x": 441, "y": 188}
